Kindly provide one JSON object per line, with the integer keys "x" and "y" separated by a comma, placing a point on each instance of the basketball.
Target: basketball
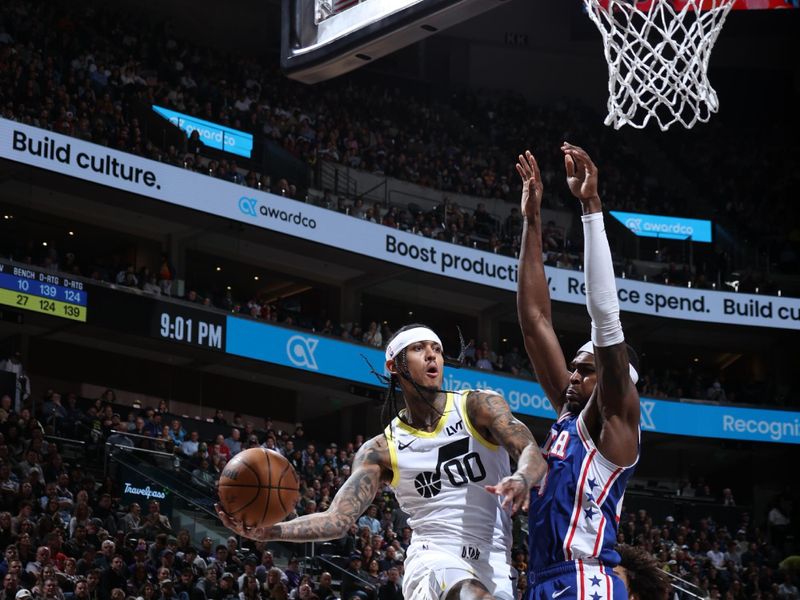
{"x": 258, "y": 487}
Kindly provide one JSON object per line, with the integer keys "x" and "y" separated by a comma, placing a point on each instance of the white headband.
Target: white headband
{"x": 408, "y": 337}
{"x": 589, "y": 347}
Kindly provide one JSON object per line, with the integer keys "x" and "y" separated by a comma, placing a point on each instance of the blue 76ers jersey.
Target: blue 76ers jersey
{"x": 574, "y": 515}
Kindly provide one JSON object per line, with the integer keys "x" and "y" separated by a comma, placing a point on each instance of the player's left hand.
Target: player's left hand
{"x": 581, "y": 172}
{"x": 515, "y": 492}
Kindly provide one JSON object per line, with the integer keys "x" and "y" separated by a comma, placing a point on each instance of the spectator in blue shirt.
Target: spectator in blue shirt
{"x": 177, "y": 432}
{"x": 370, "y": 519}
{"x": 189, "y": 447}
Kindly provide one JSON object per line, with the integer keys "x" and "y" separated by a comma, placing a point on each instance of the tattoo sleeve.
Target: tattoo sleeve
{"x": 492, "y": 412}
{"x": 351, "y": 500}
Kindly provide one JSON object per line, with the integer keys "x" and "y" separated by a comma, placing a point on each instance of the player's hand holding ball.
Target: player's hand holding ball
{"x": 257, "y": 489}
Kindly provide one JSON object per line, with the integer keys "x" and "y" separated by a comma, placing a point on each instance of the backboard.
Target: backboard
{"x": 321, "y": 39}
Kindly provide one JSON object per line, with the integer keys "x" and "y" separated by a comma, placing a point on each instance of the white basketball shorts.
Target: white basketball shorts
{"x": 432, "y": 569}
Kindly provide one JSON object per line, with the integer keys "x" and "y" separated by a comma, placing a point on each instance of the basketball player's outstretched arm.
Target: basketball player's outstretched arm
{"x": 490, "y": 414}
{"x": 533, "y": 294}
{"x": 370, "y": 467}
{"x": 615, "y": 409}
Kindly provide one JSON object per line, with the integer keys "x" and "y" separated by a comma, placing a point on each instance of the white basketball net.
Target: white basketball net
{"x": 657, "y": 53}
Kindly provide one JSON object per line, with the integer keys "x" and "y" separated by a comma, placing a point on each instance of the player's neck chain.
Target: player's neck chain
{"x": 431, "y": 420}
{"x": 430, "y": 423}
{"x": 422, "y": 427}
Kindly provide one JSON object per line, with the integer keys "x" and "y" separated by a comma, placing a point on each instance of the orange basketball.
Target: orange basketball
{"x": 258, "y": 487}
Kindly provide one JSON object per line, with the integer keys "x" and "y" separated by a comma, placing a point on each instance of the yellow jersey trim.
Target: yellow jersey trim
{"x": 439, "y": 426}
{"x": 471, "y": 428}
{"x": 392, "y": 456}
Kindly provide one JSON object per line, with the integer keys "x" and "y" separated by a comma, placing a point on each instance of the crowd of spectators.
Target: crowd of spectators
{"x": 707, "y": 384}
{"x": 752, "y": 210}
{"x": 449, "y": 222}
{"x": 724, "y": 562}
{"x": 65, "y": 535}
{"x": 83, "y": 70}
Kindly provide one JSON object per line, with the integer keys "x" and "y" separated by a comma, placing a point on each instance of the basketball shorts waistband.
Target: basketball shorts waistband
{"x": 562, "y": 568}
{"x": 466, "y": 550}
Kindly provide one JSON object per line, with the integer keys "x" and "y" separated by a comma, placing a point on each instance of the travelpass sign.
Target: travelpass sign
{"x": 180, "y": 187}
{"x": 343, "y": 360}
{"x": 660, "y": 226}
{"x": 138, "y": 487}
{"x": 211, "y": 134}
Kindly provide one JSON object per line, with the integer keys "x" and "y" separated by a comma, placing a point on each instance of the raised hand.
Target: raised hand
{"x": 581, "y": 173}
{"x": 532, "y": 187}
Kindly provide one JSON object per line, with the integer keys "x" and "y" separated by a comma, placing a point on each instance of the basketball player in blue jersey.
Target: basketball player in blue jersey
{"x": 594, "y": 444}
{"x": 447, "y": 456}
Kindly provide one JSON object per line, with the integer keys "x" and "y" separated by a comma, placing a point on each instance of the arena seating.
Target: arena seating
{"x": 63, "y": 525}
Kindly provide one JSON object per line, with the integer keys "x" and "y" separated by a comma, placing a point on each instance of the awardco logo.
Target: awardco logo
{"x": 300, "y": 351}
{"x": 146, "y": 492}
{"x": 249, "y": 207}
{"x": 635, "y": 225}
{"x": 641, "y": 226}
{"x": 213, "y": 137}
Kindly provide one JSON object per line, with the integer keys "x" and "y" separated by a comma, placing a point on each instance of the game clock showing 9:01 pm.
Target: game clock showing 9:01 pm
{"x": 202, "y": 329}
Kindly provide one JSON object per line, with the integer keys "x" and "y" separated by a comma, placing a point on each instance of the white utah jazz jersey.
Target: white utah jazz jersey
{"x": 439, "y": 480}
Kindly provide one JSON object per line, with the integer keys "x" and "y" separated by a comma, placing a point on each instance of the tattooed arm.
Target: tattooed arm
{"x": 490, "y": 414}
{"x": 370, "y": 466}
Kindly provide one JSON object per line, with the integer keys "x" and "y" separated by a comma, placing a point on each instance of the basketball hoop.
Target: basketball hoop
{"x": 658, "y": 53}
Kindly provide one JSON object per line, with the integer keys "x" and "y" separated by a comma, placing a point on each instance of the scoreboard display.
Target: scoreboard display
{"x": 118, "y": 308}
{"x": 35, "y": 290}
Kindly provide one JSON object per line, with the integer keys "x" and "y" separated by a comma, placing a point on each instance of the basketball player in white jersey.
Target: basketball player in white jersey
{"x": 447, "y": 456}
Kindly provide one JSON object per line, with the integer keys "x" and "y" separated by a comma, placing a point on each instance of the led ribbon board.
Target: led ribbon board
{"x": 335, "y": 358}
{"x": 180, "y": 187}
